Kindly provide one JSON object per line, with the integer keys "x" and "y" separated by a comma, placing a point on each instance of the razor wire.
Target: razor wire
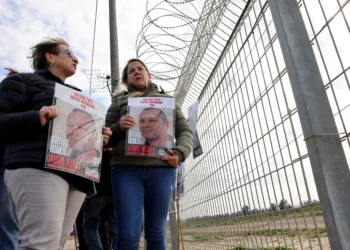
{"x": 165, "y": 37}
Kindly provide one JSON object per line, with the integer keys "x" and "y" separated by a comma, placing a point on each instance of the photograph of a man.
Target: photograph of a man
{"x": 153, "y": 125}
{"x": 82, "y": 134}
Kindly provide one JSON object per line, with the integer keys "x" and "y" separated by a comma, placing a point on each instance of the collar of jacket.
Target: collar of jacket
{"x": 47, "y": 73}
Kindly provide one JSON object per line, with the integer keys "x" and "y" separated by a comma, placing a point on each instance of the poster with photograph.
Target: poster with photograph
{"x": 75, "y": 141}
{"x": 155, "y": 126}
{"x": 192, "y": 122}
{"x": 180, "y": 182}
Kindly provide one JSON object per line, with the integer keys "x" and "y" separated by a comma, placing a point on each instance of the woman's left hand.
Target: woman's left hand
{"x": 107, "y": 133}
{"x": 172, "y": 158}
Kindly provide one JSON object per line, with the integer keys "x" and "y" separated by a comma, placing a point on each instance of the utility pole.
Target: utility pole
{"x": 114, "y": 45}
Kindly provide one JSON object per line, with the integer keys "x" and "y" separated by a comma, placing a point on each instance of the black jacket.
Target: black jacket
{"x": 2, "y": 147}
{"x": 21, "y": 98}
{"x": 104, "y": 188}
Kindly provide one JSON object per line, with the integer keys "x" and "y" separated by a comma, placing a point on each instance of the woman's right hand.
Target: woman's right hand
{"x": 46, "y": 113}
{"x": 126, "y": 122}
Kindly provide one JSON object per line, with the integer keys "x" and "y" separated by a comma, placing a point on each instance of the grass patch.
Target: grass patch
{"x": 313, "y": 233}
{"x": 281, "y": 214}
{"x": 272, "y": 232}
{"x": 288, "y": 233}
{"x": 217, "y": 236}
{"x": 206, "y": 236}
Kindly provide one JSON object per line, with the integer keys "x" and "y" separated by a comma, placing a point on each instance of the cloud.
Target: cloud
{"x": 23, "y": 24}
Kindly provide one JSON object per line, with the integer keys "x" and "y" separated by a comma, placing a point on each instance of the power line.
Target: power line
{"x": 93, "y": 46}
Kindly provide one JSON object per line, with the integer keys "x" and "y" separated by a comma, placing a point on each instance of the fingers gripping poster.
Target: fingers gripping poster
{"x": 154, "y": 129}
{"x": 75, "y": 141}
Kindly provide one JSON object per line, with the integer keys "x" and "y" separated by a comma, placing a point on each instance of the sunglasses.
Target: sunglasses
{"x": 68, "y": 52}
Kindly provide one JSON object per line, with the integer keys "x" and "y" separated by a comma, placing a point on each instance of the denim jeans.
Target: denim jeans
{"x": 79, "y": 229}
{"x": 97, "y": 210}
{"x": 137, "y": 189}
{"x": 8, "y": 219}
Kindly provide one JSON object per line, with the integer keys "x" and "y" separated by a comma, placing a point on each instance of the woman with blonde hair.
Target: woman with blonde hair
{"x": 142, "y": 183}
{"x": 47, "y": 201}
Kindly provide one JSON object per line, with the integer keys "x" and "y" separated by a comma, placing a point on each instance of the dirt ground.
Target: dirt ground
{"x": 287, "y": 233}
{"x": 292, "y": 232}
{"x": 271, "y": 244}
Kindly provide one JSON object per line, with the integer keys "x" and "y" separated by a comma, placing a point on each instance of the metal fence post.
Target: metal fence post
{"x": 173, "y": 226}
{"x": 329, "y": 165}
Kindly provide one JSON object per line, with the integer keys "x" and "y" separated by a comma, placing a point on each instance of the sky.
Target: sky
{"x": 25, "y": 23}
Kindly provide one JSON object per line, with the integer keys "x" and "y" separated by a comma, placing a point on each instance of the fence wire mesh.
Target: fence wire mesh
{"x": 253, "y": 186}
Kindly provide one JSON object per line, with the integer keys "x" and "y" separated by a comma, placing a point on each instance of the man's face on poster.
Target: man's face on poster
{"x": 80, "y": 130}
{"x": 151, "y": 124}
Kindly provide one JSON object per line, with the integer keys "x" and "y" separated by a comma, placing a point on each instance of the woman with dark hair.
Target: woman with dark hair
{"x": 47, "y": 201}
{"x": 142, "y": 183}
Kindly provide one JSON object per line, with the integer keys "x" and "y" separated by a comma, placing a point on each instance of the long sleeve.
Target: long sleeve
{"x": 183, "y": 136}
{"x": 14, "y": 121}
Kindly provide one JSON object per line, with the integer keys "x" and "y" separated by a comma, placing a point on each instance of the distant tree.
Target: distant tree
{"x": 254, "y": 211}
{"x": 284, "y": 205}
{"x": 309, "y": 202}
{"x": 273, "y": 207}
{"x": 245, "y": 210}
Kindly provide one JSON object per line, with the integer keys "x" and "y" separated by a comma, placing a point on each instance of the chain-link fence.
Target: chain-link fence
{"x": 253, "y": 187}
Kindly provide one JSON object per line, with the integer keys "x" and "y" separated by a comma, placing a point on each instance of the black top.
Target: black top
{"x": 21, "y": 134}
{"x": 104, "y": 188}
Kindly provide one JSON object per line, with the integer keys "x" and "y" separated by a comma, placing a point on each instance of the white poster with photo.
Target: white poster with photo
{"x": 154, "y": 130}
{"x": 192, "y": 122}
{"x": 75, "y": 141}
{"x": 180, "y": 182}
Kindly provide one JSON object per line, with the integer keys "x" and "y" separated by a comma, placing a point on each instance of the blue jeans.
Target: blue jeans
{"x": 142, "y": 188}
{"x": 98, "y": 210}
{"x": 8, "y": 219}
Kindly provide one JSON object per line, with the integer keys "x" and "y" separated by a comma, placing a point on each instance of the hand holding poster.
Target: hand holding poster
{"x": 154, "y": 129}
{"x": 75, "y": 141}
